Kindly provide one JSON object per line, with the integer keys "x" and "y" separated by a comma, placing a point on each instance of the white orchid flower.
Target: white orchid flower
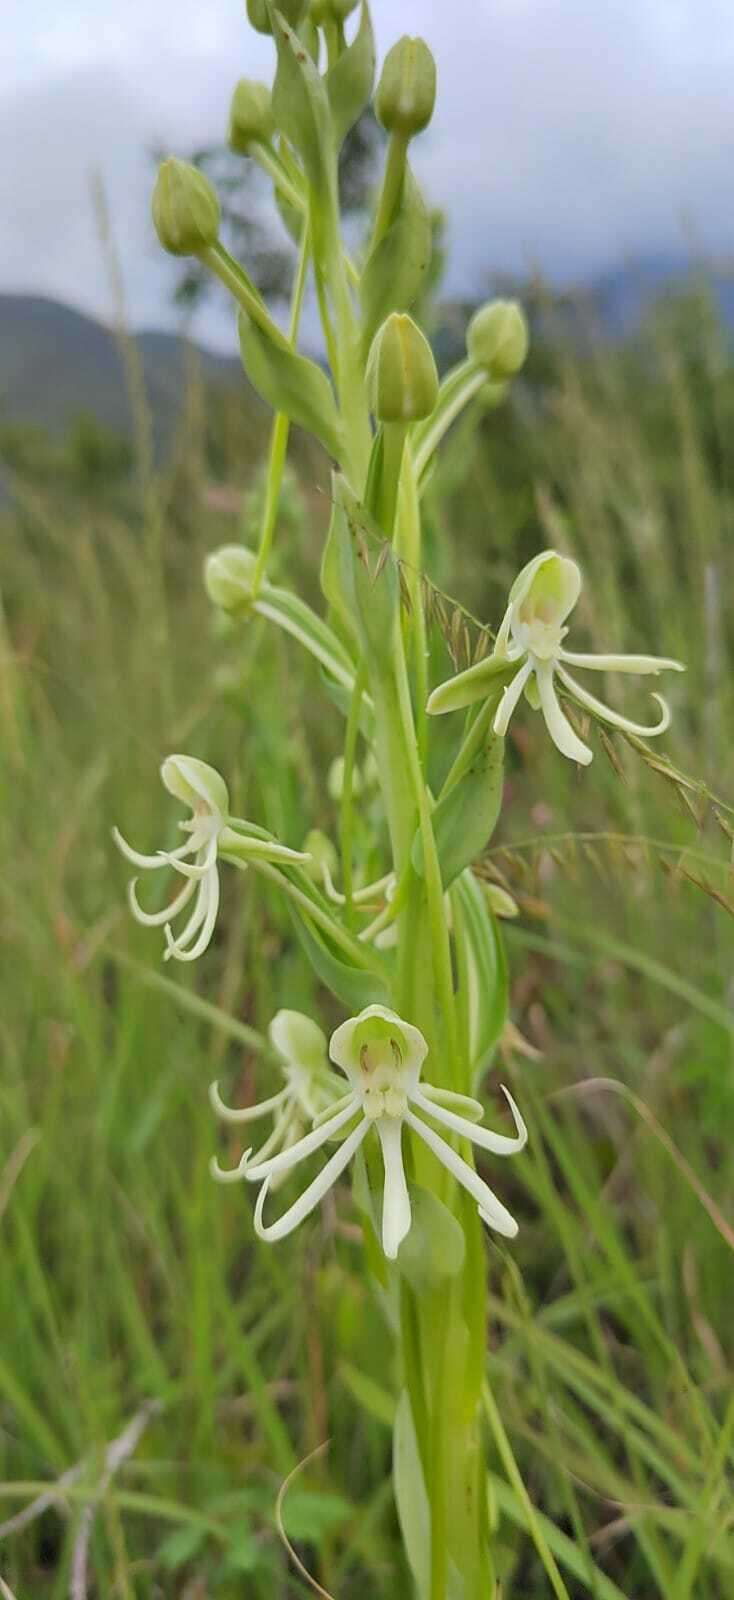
{"x": 310, "y": 1088}
{"x": 212, "y": 832}
{"x": 529, "y": 654}
{"x": 381, "y": 1057}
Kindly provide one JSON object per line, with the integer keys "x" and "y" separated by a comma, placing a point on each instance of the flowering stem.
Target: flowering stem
{"x": 280, "y": 429}
{"x": 346, "y": 816}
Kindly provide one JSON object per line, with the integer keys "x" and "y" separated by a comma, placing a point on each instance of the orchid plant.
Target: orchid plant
{"x": 413, "y": 961}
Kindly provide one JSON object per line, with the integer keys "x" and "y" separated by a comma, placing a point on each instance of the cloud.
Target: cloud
{"x": 567, "y": 134}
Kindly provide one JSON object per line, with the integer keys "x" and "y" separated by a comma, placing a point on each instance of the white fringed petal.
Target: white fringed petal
{"x": 500, "y": 1144}
{"x": 614, "y": 718}
{"x": 491, "y": 1209}
{"x": 396, "y": 1213}
{"x": 556, "y": 721}
{"x": 306, "y": 1203}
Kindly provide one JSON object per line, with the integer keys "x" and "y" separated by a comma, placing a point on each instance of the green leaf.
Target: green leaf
{"x": 180, "y": 1546}
{"x": 354, "y": 986}
{"x": 300, "y": 104}
{"x": 395, "y": 270}
{"x": 411, "y": 1498}
{"x": 349, "y": 82}
{"x": 433, "y": 1250}
{"x": 483, "y": 977}
{"x": 465, "y": 818}
{"x": 291, "y": 383}
{"x": 308, "y": 1516}
{"x": 244, "y": 1553}
{"x": 373, "y": 1399}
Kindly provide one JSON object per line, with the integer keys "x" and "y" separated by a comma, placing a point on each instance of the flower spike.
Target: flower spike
{"x": 529, "y": 655}
{"x": 381, "y": 1055}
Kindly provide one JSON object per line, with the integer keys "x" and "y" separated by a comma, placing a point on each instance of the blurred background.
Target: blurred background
{"x": 580, "y": 158}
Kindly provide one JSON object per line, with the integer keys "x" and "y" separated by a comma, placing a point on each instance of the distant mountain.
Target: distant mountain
{"x": 56, "y": 363}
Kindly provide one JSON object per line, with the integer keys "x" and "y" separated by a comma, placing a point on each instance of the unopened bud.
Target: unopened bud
{"x": 406, "y": 92}
{"x": 292, "y": 10}
{"x": 228, "y": 575}
{"x": 500, "y": 902}
{"x": 250, "y": 116}
{"x": 497, "y": 338}
{"x": 331, "y": 10}
{"x": 185, "y": 209}
{"x": 402, "y": 381}
{"x": 318, "y": 846}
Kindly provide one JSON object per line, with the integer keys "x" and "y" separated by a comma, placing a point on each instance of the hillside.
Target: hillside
{"x": 56, "y": 363}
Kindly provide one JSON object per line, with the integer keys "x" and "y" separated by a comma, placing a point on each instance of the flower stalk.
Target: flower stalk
{"x": 408, "y": 944}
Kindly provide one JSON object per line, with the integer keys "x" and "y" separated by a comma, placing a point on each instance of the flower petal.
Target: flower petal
{"x": 307, "y": 1145}
{"x": 615, "y": 720}
{"x": 244, "y": 1113}
{"x": 209, "y": 899}
{"x": 556, "y": 721}
{"x": 344, "y": 1051}
{"x": 501, "y": 1144}
{"x": 466, "y": 687}
{"x": 139, "y": 860}
{"x": 156, "y": 919}
{"x": 396, "y": 1214}
{"x": 193, "y": 869}
{"x": 311, "y": 1196}
{"x": 640, "y": 664}
{"x": 229, "y": 1174}
{"x": 509, "y": 700}
{"x": 189, "y": 780}
{"x": 491, "y": 1209}
{"x": 463, "y": 1104}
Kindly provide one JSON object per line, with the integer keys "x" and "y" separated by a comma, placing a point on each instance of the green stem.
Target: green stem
{"x": 392, "y": 183}
{"x": 233, "y": 276}
{"x": 267, "y": 158}
{"x": 346, "y": 816}
{"x": 457, "y": 390}
{"x": 280, "y": 430}
{"x": 311, "y": 908}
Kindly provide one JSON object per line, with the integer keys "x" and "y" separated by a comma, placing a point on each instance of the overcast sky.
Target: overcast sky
{"x": 569, "y": 134}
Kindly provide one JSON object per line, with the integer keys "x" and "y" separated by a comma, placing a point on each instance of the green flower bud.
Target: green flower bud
{"x": 185, "y": 209}
{"x": 497, "y": 338}
{"x": 331, "y": 10}
{"x": 228, "y": 575}
{"x": 402, "y": 381}
{"x": 250, "y": 116}
{"x": 406, "y": 92}
{"x": 291, "y": 10}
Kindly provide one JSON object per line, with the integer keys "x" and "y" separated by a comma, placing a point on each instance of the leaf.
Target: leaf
{"x": 349, "y": 82}
{"x": 180, "y": 1546}
{"x": 356, "y": 987}
{"x": 483, "y": 976}
{"x": 244, "y": 1553}
{"x": 300, "y": 104}
{"x": 365, "y": 596}
{"x": 291, "y": 383}
{"x": 433, "y": 1250}
{"x": 410, "y": 1497}
{"x": 308, "y": 1516}
{"x": 464, "y": 819}
{"x": 395, "y": 269}
{"x": 373, "y": 1399}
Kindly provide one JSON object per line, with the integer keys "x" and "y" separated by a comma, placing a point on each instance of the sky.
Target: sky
{"x": 569, "y": 135}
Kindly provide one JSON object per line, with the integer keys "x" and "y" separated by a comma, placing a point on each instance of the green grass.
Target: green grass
{"x": 126, "y": 1276}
